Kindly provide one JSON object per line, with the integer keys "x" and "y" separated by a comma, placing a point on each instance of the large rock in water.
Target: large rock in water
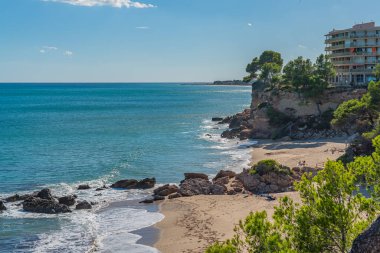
{"x": 2, "y": 206}
{"x": 83, "y": 205}
{"x": 45, "y": 194}
{"x": 38, "y": 205}
{"x": 67, "y": 200}
{"x": 146, "y": 183}
{"x": 166, "y": 190}
{"x": 369, "y": 240}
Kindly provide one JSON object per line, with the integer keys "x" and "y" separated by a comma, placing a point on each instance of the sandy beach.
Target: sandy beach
{"x": 193, "y": 223}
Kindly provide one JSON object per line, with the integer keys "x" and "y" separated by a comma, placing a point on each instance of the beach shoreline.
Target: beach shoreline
{"x": 193, "y": 223}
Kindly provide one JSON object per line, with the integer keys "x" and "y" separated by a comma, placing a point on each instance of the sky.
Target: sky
{"x": 162, "y": 40}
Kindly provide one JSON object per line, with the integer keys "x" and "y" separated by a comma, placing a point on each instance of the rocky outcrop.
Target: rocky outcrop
{"x": 224, "y": 173}
{"x": 369, "y": 240}
{"x": 16, "y": 197}
{"x": 268, "y": 183}
{"x": 195, "y": 175}
{"x": 67, "y": 200}
{"x": 84, "y": 187}
{"x": 146, "y": 183}
{"x": 38, "y": 205}
{"x": 195, "y": 186}
{"x": 2, "y": 206}
{"x": 45, "y": 194}
{"x": 166, "y": 190}
{"x": 83, "y": 205}
{"x": 240, "y": 125}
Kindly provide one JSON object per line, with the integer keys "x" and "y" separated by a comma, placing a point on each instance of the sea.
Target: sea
{"x": 58, "y": 136}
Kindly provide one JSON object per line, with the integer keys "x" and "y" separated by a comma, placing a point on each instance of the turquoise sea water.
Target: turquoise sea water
{"x": 60, "y": 135}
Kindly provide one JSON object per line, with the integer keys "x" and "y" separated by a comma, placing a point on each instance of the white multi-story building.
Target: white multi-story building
{"x": 354, "y": 53}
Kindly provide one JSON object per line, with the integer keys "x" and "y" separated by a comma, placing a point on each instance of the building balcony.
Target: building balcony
{"x": 355, "y": 71}
{"x": 336, "y": 47}
{"x": 349, "y": 54}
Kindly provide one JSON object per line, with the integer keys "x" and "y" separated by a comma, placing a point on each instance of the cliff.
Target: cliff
{"x": 280, "y": 113}
{"x": 277, "y": 113}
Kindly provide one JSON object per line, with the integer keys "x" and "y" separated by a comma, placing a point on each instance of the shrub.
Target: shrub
{"x": 266, "y": 166}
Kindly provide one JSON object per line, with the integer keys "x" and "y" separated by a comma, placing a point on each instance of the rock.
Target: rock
{"x": 101, "y": 188}
{"x": 38, "y": 205}
{"x": 2, "y": 206}
{"x": 166, "y": 190}
{"x": 67, "y": 200}
{"x": 93, "y": 203}
{"x": 230, "y": 133}
{"x": 369, "y": 240}
{"x": 158, "y": 197}
{"x": 195, "y": 186}
{"x": 237, "y": 189}
{"x": 126, "y": 183}
{"x": 83, "y": 205}
{"x": 174, "y": 195}
{"x": 16, "y": 197}
{"x": 45, "y": 194}
{"x": 146, "y": 183}
{"x": 216, "y": 189}
{"x": 195, "y": 175}
{"x": 222, "y": 181}
{"x": 245, "y": 134}
{"x": 224, "y": 173}
{"x": 231, "y": 192}
{"x": 217, "y": 119}
{"x": 13, "y": 198}
{"x": 147, "y": 201}
{"x": 83, "y": 187}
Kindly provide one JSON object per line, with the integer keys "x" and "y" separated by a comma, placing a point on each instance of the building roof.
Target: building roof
{"x": 358, "y": 27}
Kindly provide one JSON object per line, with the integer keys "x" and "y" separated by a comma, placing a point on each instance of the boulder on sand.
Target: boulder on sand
{"x": 166, "y": 190}
{"x": 195, "y": 186}
{"x": 224, "y": 173}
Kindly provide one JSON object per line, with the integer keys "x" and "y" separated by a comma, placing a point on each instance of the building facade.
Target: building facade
{"x": 354, "y": 53}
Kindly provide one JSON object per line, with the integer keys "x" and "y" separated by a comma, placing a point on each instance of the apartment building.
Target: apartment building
{"x": 354, "y": 53}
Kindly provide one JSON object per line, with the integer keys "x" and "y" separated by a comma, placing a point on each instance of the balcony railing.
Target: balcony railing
{"x": 354, "y": 71}
{"x": 332, "y": 55}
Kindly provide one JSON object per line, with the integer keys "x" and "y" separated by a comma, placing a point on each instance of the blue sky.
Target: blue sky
{"x": 162, "y": 40}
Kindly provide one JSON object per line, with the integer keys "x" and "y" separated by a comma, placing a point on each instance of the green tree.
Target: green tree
{"x": 267, "y": 67}
{"x": 324, "y": 69}
{"x": 349, "y": 116}
{"x": 331, "y": 216}
{"x": 271, "y": 57}
{"x": 298, "y": 73}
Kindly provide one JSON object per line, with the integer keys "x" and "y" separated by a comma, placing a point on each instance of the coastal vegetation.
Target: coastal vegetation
{"x": 299, "y": 75}
{"x": 332, "y": 213}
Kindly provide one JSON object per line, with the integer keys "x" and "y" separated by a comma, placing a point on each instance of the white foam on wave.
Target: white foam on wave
{"x": 92, "y": 230}
{"x": 237, "y": 151}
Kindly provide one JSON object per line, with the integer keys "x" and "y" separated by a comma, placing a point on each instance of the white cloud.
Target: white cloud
{"x": 68, "y": 53}
{"x": 249, "y": 24}
{"x": 47, "y": 49}
{"x": 113, "y": 3}
{"x": 302, "y": 46}
{"x": 142, "y": 27}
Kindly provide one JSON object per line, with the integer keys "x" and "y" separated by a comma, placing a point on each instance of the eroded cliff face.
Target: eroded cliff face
{"x": 294, "y": 106}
